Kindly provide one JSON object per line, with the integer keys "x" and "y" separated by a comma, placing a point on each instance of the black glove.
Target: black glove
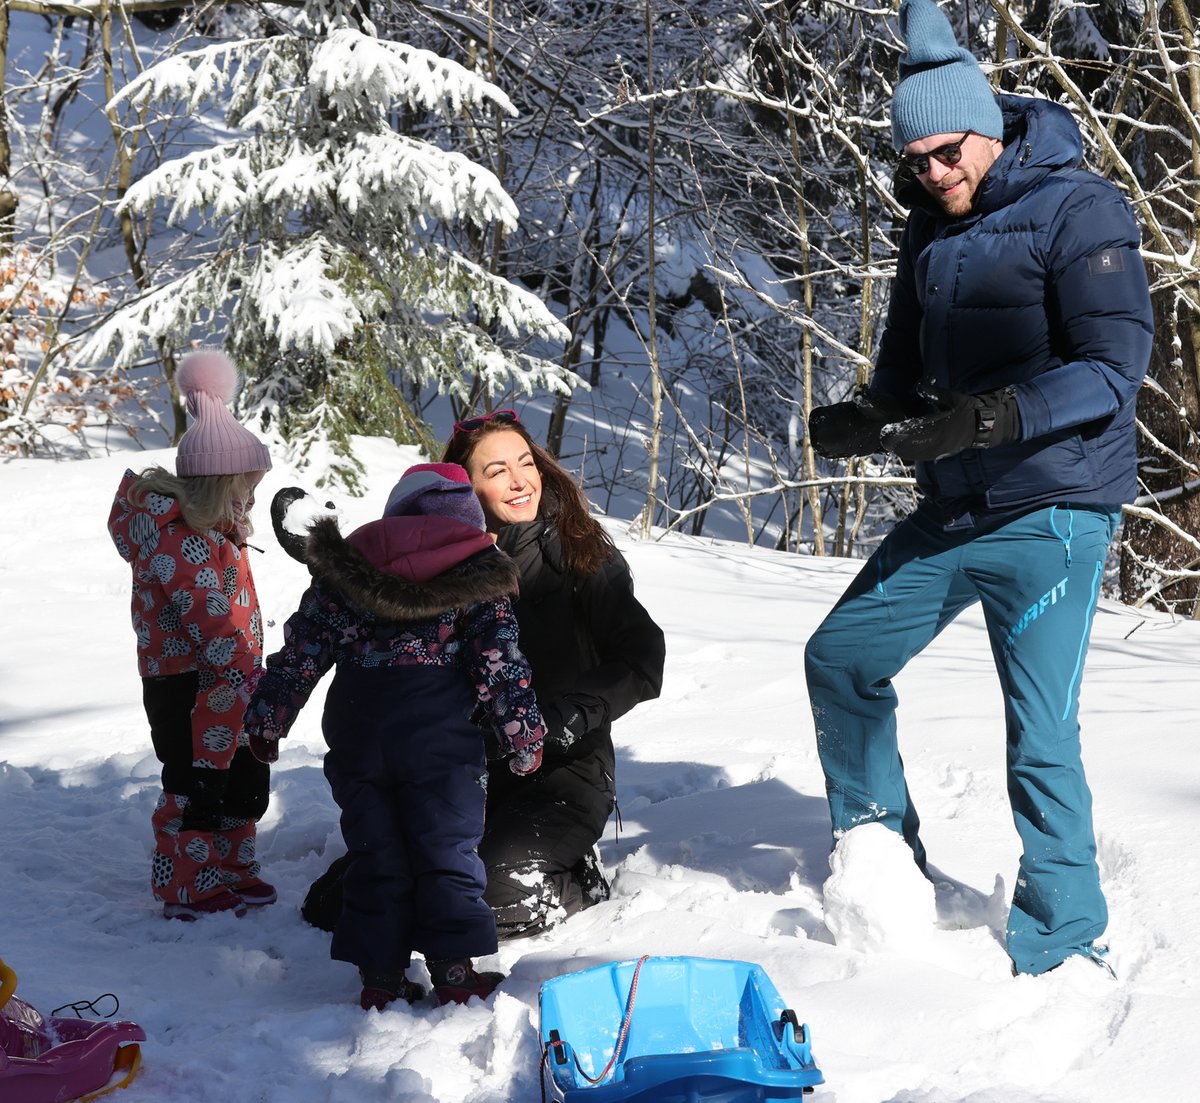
{"x": 852, "y": 428}
{"x": 957, "y": 422}
{"x": 565, "y": 724}
{"x": 293, "y": 498}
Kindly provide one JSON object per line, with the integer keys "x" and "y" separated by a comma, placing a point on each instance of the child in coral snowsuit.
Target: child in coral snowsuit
{"x": 199, "y": 645}
{"x": 414, "y": 610}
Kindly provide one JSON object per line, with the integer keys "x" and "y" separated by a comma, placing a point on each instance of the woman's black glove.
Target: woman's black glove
{"x": 293, "y": 509}
{"x": 852, "y": 428}
{"x": 957, "y": 422}
{"x": 565, "y": 724}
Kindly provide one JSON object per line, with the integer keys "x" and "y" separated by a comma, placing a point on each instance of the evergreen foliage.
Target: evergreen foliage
{"x": 334, "y": 293}
{"x": 359, "y": 268}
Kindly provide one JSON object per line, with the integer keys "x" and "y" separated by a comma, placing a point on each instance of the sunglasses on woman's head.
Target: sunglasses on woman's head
{"x": 949, "y": 155}
{"x": 501, "y": 417}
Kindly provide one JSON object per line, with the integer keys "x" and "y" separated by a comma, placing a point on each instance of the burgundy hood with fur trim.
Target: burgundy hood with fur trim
{"x": 407, "y": 568}
{"x": 418, "y": 548}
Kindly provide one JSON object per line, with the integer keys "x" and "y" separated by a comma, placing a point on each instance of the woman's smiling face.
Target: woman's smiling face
{"x": 505, "y": 478}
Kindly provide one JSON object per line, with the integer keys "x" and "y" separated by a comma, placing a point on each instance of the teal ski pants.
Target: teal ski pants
{"x": 1038, "y": 579}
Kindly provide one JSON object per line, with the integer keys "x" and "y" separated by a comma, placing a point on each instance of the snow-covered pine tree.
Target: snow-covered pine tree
{"x": 335, "y": 295}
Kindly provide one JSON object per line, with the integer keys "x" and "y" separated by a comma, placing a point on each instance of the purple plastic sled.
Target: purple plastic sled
{"x": 59, "y": 1059}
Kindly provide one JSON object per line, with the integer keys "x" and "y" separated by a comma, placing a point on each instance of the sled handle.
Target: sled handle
{"x": 8, "y": 982}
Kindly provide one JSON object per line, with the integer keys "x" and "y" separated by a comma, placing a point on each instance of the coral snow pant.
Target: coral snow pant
{"x": 1038, "y": 579}
{"x": 406, "y": 767}
{"x": 205, "y": 821}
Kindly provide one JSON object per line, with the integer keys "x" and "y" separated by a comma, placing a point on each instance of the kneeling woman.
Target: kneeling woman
{"x": 595, "y": 653}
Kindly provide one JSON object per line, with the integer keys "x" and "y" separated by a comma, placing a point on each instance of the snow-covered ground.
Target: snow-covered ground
{"x": 723, "y": 850}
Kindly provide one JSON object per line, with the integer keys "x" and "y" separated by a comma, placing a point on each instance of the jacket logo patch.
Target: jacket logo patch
{"x": 1110, "y": 260}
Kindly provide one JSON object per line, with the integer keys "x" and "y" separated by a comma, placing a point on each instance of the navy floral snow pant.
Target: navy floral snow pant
{"x": 406, "y": 767}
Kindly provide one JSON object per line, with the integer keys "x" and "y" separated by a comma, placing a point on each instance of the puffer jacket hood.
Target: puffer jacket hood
{"x": 409, "y": 568}
{"x": 1040, "y": 137}
{"x": 135, "y": 530}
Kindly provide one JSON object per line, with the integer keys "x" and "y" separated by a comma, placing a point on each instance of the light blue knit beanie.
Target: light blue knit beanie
{"x": 941, "y": 90}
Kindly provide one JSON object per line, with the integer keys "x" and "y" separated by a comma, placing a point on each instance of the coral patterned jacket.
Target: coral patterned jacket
{"x": 194, "y": 609}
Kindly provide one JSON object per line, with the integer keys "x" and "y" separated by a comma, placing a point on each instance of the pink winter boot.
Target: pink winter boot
{"x": 236, "y": 843}
{"x": 185, "y": 873}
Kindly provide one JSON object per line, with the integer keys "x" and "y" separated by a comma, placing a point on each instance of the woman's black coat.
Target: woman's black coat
{"x": 590, "y": 642}
{"x": 592, "y": 647}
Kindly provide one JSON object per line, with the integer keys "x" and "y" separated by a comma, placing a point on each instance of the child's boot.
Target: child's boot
{"x": 185, "y": 873}
{"x": 223, "y": 901}
{"x": 456, "y": 981}
{"x": 384, "y": 986}
{"x": 236, "y": 844}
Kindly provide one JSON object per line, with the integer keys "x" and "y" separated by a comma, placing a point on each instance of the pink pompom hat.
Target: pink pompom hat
{"x": 215, "y": 443}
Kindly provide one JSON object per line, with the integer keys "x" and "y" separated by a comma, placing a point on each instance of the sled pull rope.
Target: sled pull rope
{"x": 80, "y": 1006}
{"x": 620, "y": 1039}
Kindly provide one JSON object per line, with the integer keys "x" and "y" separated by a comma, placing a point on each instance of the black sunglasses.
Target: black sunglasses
{"x": 949, "y": 155}
{"x": 501, "y": 417}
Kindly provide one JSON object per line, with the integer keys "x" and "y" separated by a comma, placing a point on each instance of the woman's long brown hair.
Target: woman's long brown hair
{"x": 585, "y": 544}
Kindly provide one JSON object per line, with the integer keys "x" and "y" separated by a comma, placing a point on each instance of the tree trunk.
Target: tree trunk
{"x": 1159, "y": 566}
{"x": 654, "y": 443}
{"x": 8, "y": 197}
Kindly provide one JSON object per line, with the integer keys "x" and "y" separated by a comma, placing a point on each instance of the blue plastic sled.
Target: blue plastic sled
{"x": 699, "y": 1030}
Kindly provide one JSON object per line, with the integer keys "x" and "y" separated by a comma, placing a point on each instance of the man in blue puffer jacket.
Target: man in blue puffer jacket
{"x": 1018, "y": 333}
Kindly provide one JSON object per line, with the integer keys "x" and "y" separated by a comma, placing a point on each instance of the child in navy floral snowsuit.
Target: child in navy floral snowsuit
{"x": 414, "y": 611}
{"x": 199, "y": 641}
